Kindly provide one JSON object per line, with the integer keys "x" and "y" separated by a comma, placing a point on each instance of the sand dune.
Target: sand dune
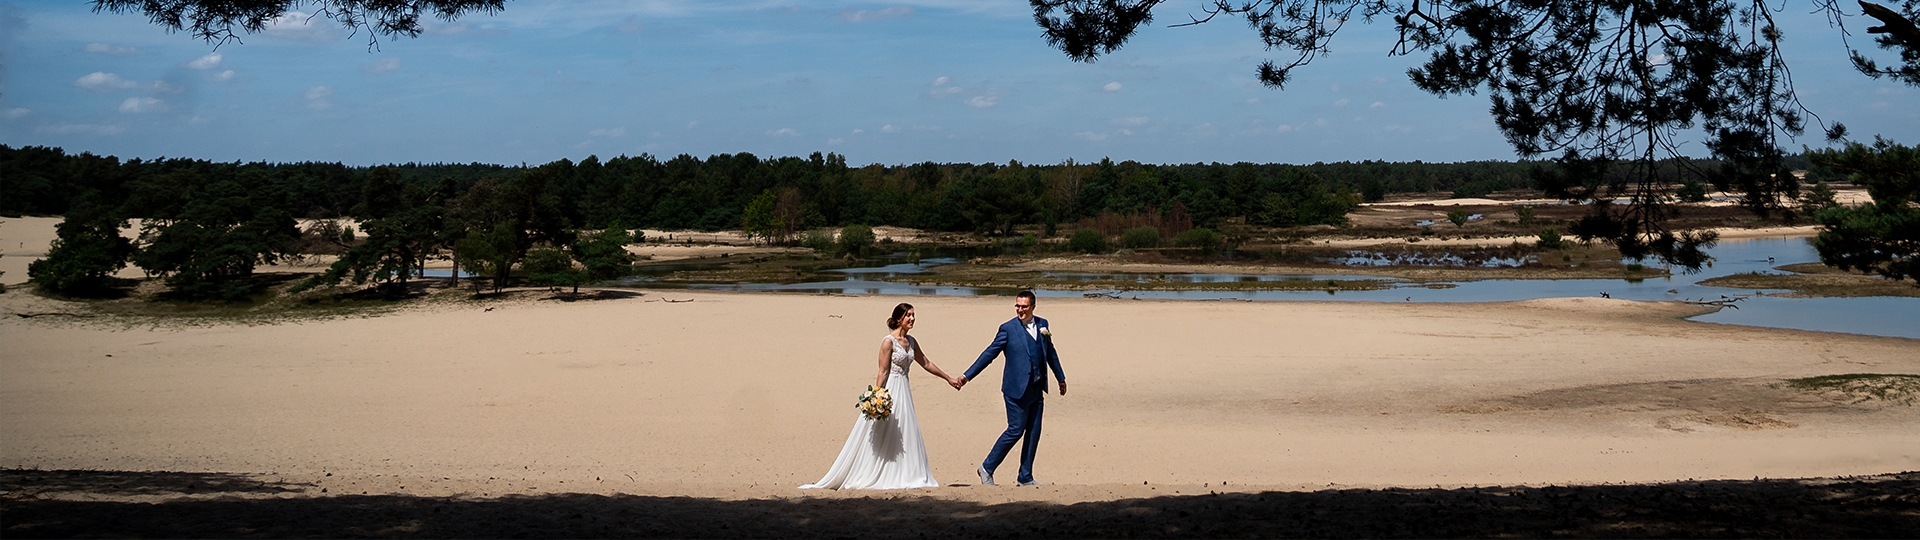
{"x": 742, "y": 395}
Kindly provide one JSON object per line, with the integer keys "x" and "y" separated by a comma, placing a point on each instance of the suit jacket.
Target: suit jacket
{"x": 1026, "y": 358}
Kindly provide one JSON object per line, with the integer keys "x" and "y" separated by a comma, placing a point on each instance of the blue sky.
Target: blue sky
{"x": 895, "y": 82}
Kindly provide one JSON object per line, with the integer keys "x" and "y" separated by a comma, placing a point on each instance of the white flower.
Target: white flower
{"x": 1046, "y": 331}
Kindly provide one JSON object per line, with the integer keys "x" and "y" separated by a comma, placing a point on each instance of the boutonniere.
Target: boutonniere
{"x": 1046, "y": 331}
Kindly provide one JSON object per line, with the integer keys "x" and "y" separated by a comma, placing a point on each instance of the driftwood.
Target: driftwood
{"x": 1724, "y": 301}
{"x": 51, "y": 314}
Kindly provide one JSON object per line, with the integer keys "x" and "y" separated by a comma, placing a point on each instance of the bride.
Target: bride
{"x": 887, "y": 453}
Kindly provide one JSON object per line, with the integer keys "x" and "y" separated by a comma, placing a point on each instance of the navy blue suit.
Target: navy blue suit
{"x": 1023, "y": 383}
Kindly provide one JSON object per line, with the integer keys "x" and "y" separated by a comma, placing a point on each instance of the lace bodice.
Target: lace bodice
{"x": 902, "y": 355}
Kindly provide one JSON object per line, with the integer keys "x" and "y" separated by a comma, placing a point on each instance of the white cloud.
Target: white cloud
{"x": 17, "y": 113}
{"x": 784, "y": 132}
{"x": 942, "y": 81}
{"x": 142, "y": 105}
{"x": 210, "y": 61}
{"x": 298, "y": 26}
{"x": 633, "y": 25}
{"x": 1252, "y": 101}
{"x": 889, "y": 129}
{"x": 609, "y": 132}
{"x": 110, "y": 50}
{"x": 1090, "y": 136}
{"x": 103, "y": 81}
{"x": 224, "y": 75}
{"x": 1129, "y": 121}
{"x": 831, "y": 142}
{"x": 1397, "y": 128}
{"x": 382, "y": 66}
{"x": 1112, "y": 86}
{"x": 862, "y": 15}
{"x": 1342, "y": 103}
{"x": 1124, "y": 131}
{"x": 1322, "y": 122}
{"x": 1283, "y": 128}
{"x": 857, "y": 131}
{"x": 693, "y": 124}
{"x": 1377, "y": 105}
{"x": 319, "y": 97}
{"x": 80, "y": 129}
{"x": 983, "y": 101}
{"x": 165, "y": 88}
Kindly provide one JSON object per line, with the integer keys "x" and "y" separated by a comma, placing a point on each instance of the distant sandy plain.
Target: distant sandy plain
{"x": 738, "y": 396}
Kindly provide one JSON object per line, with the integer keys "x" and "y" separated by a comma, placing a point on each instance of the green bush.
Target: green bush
{"x": 1199, "y": 238}
{"x": 1550, "y": 239}
{"x": 1088, "y": 241}
{"x": 856, "y": 239}
{"x": 1141, "y": 237}
{"x": 820, "y": 240}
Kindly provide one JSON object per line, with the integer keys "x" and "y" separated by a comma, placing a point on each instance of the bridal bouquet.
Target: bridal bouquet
{"x": 876, "y": 404}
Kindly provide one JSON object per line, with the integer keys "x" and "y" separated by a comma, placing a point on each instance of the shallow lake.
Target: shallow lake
{"x": 1882, "y": 316}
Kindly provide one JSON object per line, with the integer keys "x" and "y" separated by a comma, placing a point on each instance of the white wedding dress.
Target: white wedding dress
{"x": 885, "y": 453}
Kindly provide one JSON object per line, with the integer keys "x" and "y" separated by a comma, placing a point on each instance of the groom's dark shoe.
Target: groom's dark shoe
{"x": 986, "y": 476}
{"x": 1034, "y": 483}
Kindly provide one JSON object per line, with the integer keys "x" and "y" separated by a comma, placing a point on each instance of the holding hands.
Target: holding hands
{"x": 957, "y": 381}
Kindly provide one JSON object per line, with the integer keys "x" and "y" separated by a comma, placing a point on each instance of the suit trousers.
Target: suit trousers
{"x": 1023, "y": 422}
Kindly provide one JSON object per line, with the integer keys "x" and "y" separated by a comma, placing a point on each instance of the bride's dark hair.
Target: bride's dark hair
{"x": 893, "y": 323}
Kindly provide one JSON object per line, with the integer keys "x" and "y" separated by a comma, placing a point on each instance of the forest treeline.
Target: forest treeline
{"x": 687, "y": 192}
{"x": 206, "y": 225}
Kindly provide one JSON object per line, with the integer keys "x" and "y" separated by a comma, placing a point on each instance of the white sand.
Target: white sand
{"x": 745, "y": 395}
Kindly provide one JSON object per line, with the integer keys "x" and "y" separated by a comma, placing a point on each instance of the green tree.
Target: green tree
{"x": 1882, "y": 237}
{"x": 1141, "y": 237}
{"x": 216, "y": 241}
{"x": 489, "y": 253}
{"x": 1087, "y": 241}
{"x": 1202, "y": 237}
{"x": 1458, "y": 217}
{"x": 87, "y": 250}
{"x": 403, "y": 226}
{"x": 1819, "y": 197}
{"x": 1550, "y": 239}
{"x": 553, "y": 266}
{"x": 1607, "y": 88}
{"x": 1000, "y": 201}
{"x": 1691, "y": 190}
{"x": 603, "y": 255}
{"x": 856, "y": 239}
{"x": 216, "y": 20}
{"x": 758, "y": 219}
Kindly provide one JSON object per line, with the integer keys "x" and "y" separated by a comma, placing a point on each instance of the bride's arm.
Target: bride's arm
{"x": 926, "y": 364}
{"x": 886, "y": 358}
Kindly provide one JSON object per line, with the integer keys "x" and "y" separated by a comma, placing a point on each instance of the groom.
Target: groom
{"x": 1028, "y": 343}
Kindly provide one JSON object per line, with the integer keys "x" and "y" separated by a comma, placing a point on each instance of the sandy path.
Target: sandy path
{"x": 743, "y": 395}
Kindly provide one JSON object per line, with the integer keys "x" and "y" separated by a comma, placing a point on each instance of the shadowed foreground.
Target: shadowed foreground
{"x": 221, "y": 505}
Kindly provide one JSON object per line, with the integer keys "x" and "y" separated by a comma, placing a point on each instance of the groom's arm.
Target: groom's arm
{"x": 987, "y": 356}
{"x": 1053, "y": 361}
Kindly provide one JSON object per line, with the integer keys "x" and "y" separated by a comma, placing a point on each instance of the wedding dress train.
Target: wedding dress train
{"x": 886, "y": 453}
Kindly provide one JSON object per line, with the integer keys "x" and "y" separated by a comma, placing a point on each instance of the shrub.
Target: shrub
{"x": 1200, "y": 238}
{"x": 1550, "y": 239}
{"x": 1141, "y": 237}
{"x": 856, "y": 239}
{"x": 820, "y": 240}
{"x": 1525, "y": 214}
{"x": 1691, "y": 190}
{"x": 1458, "y": 217}
{"x": 1088, "y": 241}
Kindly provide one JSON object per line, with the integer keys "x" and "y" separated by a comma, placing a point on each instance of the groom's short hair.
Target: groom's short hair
{"x": 1031, "y": 300}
